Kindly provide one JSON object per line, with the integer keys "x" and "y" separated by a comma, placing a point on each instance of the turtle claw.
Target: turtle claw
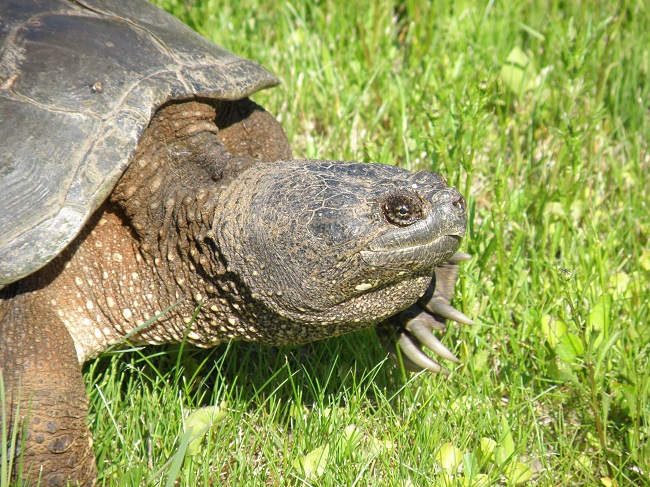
{"x": 406, "y": 362}
{"x": 447, "y": 311}
{"x": 412, "y": 357}
{"x": 412, "y": 350}
{"x": 423, "y": 334}
{"x": 459, "y": 257}
{"x": 412, "y": 329}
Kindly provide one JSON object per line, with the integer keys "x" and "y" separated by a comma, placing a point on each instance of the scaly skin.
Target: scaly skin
{"x": 275, "y": 252}
{"x": 42, "y": 375}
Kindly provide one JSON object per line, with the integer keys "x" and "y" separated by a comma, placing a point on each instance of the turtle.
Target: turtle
{"x": 146, "y": 196}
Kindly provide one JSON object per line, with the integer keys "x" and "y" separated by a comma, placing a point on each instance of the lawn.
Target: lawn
{"x": 539, "y": 113}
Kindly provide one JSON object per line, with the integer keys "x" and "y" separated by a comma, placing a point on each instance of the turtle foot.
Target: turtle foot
{"x": 406, "y": 334}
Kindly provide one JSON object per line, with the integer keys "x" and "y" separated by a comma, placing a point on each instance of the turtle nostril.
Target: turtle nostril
{"x": 459, "y": 203}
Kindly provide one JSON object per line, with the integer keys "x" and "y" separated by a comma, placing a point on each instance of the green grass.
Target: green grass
{"x": 538, "y": 111}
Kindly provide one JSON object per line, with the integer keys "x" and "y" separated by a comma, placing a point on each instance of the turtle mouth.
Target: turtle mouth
{"x": 425, "y": 255}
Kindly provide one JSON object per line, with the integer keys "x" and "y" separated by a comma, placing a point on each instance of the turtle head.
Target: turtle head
{"x": 328, "y": 243}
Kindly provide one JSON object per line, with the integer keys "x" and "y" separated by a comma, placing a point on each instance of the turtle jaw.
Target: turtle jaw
{"x": 426, "y": 255}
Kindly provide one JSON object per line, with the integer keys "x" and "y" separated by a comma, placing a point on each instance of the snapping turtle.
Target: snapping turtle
{"x": 135, "y": 174}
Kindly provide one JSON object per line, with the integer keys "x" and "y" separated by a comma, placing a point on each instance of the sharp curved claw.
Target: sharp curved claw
{"x": 447, "y": 311}
{"x": 412, "y": 329}
{"x": 408, "y": 364}
{"x": 426, "y": 338}
{"x": 459, "y": 257}
{"x": 411, "y": 351}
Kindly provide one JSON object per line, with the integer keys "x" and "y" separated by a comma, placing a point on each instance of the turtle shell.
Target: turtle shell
{"x": 79, "y": 83}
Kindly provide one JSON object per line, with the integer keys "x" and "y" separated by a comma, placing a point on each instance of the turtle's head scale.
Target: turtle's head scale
{"x": 330, "y": 242}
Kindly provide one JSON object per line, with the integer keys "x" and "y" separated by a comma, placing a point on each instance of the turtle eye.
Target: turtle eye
{"x": 402, "y": 208}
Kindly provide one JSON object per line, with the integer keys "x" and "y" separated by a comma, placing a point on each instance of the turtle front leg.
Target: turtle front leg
{"x": 45, "y": 390}
{"x": 413, "y": 328}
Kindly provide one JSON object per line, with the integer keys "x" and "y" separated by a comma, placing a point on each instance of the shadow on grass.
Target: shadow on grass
{"x": 250, "y": 373}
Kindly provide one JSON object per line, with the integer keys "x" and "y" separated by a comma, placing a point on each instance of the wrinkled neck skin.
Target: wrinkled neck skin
{"x": 170, "y": 195}
{"x": 177, "y": 195}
